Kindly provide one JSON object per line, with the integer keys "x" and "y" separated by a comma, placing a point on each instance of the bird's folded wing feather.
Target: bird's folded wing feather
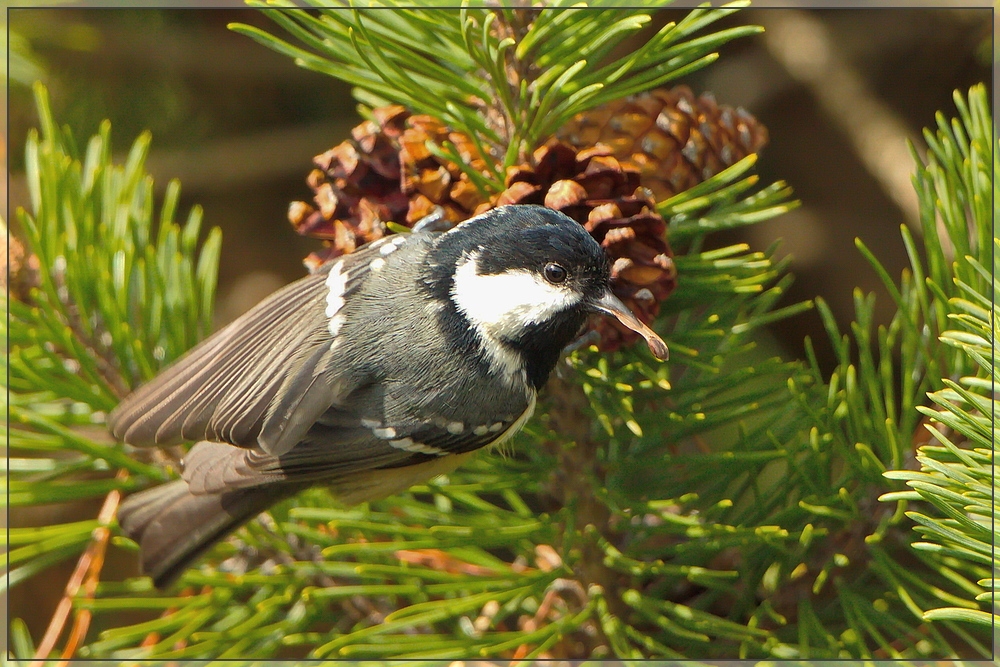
{"x": 259, "y": 383}
{"x": 328, "y": 453}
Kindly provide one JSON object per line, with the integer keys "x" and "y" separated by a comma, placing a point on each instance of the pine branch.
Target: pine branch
{"x": 85, "y": 576}
{"x": 90, "y": 325}
{"x": 872, "y": 415}
{"x": 506, "y": 78}
{"x": 956, "y": 477}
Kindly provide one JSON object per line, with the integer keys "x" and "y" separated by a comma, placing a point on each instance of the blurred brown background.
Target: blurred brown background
{"x": 839, "y": 90}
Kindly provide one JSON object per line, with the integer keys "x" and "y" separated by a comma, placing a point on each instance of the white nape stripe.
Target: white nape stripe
{"x": 500, "y": 305}
{"x": 336, "y": 282}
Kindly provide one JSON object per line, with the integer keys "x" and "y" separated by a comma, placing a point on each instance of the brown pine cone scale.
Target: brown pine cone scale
{"x": 602, "y": 194}
{"x": 675, "y": 139}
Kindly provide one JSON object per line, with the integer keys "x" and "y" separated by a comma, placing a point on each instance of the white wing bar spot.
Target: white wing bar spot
{"x": 336, "y": 282}
{"x": 407, "y": 444}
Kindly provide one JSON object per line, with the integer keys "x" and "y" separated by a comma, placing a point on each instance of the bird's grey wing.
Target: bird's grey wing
{"x": 212, "y": 467}
{"x": 342, "y": 443}
{"x": 259, "y": 382}
{"x": 339, "y": 446}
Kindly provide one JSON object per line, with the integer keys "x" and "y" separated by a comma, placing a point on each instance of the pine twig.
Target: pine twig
{"x": 440, "y": 560}
{"x": 533, "y": 624}
{"x": 153, "y": 638}
{"x": 85, "y": 576}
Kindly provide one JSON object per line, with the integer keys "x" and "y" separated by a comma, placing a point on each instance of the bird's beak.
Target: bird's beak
{"x": 610, "y": 304}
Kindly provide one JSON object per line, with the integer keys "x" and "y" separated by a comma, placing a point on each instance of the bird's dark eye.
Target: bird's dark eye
{"x": 554, "y": 273}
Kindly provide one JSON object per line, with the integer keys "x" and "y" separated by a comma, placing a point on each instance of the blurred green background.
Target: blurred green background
{"x": 839, "y": 90}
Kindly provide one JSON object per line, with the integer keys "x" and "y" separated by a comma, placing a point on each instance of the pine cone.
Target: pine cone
{"x": 430, "y": 181}
{"x": 675, "y": 139}
{"x": 384, "y": 173}
{"x": 595, "y": 189}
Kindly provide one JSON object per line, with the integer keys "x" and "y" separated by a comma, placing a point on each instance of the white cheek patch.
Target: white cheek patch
{"x": 502, "y": 304}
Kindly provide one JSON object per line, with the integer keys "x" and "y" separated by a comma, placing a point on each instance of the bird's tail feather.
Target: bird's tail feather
{"x": 173, "y": 526}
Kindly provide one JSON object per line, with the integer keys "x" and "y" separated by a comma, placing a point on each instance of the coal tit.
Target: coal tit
{"x": 380, "y": 370}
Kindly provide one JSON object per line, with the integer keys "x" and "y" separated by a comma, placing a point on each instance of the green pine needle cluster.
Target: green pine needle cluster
{"x": 727, "y": 504}
{"x": 956, "y": 476}
{"x": 506, "y": 78}
{"x": 112, "y": 302}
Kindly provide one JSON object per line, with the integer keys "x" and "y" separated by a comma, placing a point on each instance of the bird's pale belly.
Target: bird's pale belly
{"x": 384, "y": 482}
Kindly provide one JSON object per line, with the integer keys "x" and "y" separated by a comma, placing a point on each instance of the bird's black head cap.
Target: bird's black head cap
{"x": 523, "y": 275}
{"x": 527, "y": 237}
